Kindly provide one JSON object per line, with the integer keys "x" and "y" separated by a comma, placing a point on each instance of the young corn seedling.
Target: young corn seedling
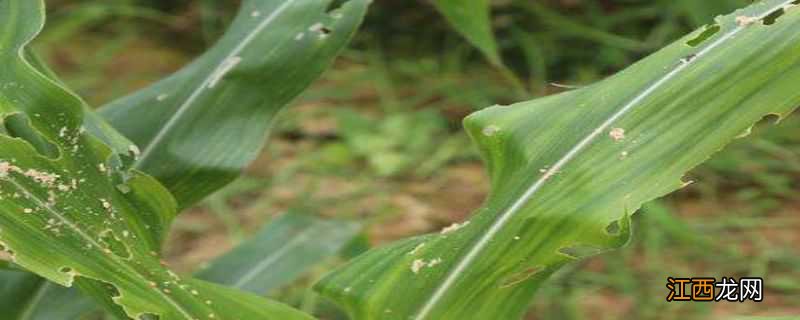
{"x": 88, "y": 197}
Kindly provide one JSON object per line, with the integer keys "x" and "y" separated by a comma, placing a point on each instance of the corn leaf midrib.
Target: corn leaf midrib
{"x": 30, "y": 305}
{"x": 586, "y": 182}
{"x": 274, "y": 256}
{"x": 202, "y": 125}
{"x": 77, "y": 215}
{"x": 41, "y": 203}
{"x": 526, "y": 197}
{"x": 197, "y": 91}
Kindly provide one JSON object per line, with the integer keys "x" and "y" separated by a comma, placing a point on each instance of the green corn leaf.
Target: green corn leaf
{"x": 72, "y": 215}
{"x": 99, "y": 128}
{"x": 92, "y": 121}
{"x": 472, "y": 19}
{"x": 198, "y": 128}
{"x": 17, "y": 288}
{"x": 280, "y": 253}
{"x": 567, "y": 170}
{"x": 25, "y": 296}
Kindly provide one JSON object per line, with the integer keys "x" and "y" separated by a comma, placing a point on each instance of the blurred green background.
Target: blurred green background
{"x": 378, "y": 138}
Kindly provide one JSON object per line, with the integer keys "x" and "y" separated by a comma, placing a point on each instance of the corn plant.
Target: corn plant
{"x": 567, "y": 171}
{"x": 84, "y": 206}
{"x": 87, "y": 197}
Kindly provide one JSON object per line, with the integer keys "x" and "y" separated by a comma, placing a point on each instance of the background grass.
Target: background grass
{"x": 379, "y": 139}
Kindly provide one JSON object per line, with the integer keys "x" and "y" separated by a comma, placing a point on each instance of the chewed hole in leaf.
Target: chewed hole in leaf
{"x": 772, "y": 17}
{"x": 708, "y": 32}
{"x": 109, "y": 289}
{"x": 148, "y": 316}
{"x": 772, "y": 118}
{"x": 769, "y": 119}
{"x": 335, "y": 6}
{"x": 521, "y": 276}
{"x": 19, "y": 126}
{"x": 320, "y": 28}
{"x": 113, "y": 291}
{"x": 579, "y": 251}
{"x": 334, "y": 11}
{"x": 613, "y": 228}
